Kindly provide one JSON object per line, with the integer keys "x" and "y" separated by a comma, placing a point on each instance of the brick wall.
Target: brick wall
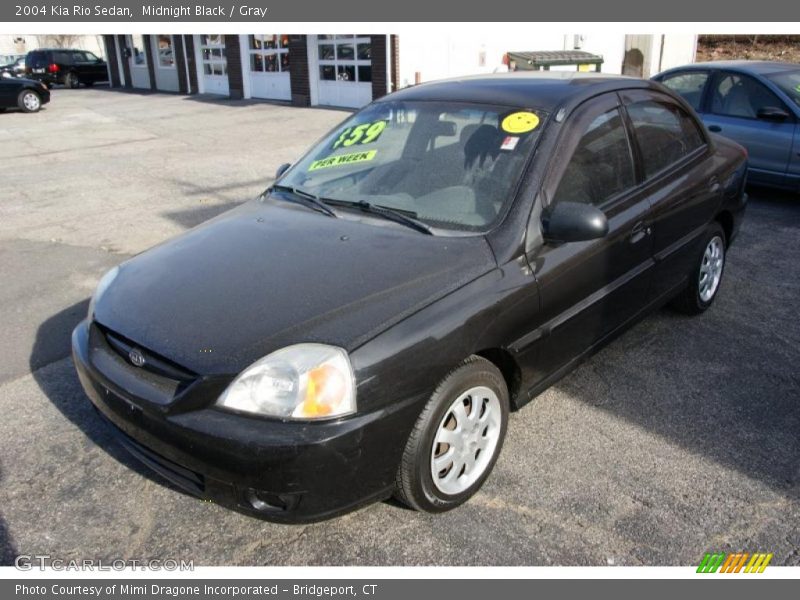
{"x": 235, "y": 79}
{"x": 379, "y": 66}
{"x": 113, "y": 64}
{"x": 180, "y": 63}
{"x": 190, "y": 58}
{"x": 298, "y": 70}
{"x": 126, "y": 66}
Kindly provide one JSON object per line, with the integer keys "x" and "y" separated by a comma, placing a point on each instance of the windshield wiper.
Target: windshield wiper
{"x": 407, "y": 218}
{"x": 307, "y": 199}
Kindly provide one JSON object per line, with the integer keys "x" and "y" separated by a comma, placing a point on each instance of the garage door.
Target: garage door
{"x": 164, "y": 60}
{"x": 137, "y": 60}
{"x": 344, "y": 70}
{"x": 213, "y": 64}
{"x": 269, "y": 66}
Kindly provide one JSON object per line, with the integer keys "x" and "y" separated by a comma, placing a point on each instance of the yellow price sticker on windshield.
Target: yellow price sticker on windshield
{"x": 342, "y": 159}
{"x": 520, "y": 122}
{"x": 359, "y": 134}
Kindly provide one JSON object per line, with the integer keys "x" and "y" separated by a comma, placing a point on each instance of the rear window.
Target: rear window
{"x": 36, "y": 60}
{"x": 689, "y": 85}
{"x": 665, "y": 133}
{"x": 62, "y": 58}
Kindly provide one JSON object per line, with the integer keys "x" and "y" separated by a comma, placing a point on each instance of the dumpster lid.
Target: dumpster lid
{"x": 548, "y": 58}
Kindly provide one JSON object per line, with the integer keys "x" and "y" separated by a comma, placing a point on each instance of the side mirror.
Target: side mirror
{"x": 772, "y": 113}
{"x": 281, "y": 170}
{"x": 574, "y": 222}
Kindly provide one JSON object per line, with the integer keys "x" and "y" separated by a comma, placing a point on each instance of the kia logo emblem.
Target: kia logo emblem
{"x": 137, "y": 358}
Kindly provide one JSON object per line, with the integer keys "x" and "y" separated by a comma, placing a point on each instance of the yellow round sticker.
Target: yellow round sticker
{"x": 520, "y": 122}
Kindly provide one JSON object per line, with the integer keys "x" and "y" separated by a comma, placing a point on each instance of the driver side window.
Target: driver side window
{"x": 741, "y": 96}
{"x": 601, "y": 167}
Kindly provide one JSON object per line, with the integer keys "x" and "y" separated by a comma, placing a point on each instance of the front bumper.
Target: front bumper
{"x": 277, "y": 470}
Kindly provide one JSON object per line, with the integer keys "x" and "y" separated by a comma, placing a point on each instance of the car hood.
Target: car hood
{"x": 267, "y": 275}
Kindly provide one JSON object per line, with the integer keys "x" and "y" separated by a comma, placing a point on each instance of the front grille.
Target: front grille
{"x": 186, "y": 479}
{"x": 153, "y": 363}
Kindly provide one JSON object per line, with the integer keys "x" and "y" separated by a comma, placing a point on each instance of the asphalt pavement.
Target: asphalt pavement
{"x": 679, "y": 438}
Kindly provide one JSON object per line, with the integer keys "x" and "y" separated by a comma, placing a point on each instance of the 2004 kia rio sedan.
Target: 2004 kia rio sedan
{"x": 366, "y": 325}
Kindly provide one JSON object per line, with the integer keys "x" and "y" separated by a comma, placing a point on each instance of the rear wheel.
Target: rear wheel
{"x": 71, "y": 81}
{"x": 706, "y": 274}
{"x": 456, "y": 440}
{"x": 29, "y": 101}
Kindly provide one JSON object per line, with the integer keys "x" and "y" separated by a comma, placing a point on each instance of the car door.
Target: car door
{"x": 793, "y": 173}
{"x": 82, "y": 66}
{"x": 735, "y": 109}
{"x": 9, "y": 89}
{"x": 679, "y": 177}
{"x": 589, "y": 289}
{"x": 95, "y": 67}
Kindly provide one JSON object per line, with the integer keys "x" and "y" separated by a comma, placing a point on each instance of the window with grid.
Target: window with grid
{"x": 269, "y": 53}
{"x": 346, "y": 58}
{"x": 212, "y": 49}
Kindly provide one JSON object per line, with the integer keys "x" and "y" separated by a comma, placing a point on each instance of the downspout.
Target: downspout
{"x": 388, "y": 64}
{"x": 186, "y": 65}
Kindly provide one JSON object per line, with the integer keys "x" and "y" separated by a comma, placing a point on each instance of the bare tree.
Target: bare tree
{"x": 58, "y": 41}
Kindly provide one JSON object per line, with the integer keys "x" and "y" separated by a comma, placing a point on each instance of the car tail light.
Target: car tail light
{"x": 54, "y": 68}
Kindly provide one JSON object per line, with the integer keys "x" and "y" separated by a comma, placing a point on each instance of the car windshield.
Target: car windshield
{"x": 789, "y": 82}
{"x": 453, "y": 166}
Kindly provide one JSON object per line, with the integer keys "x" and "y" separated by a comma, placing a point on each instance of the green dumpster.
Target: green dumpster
{"x": 544, "y": 59}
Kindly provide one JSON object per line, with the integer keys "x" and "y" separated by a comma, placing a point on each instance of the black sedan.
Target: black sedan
{"x": 365, "y": 326}
{"x": 25, "y": 94}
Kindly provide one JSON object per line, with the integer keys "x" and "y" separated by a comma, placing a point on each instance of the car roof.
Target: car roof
{"x": 59, "y": 50}
{"x": 759, "y": 67}
{"x": 542, "y": 90}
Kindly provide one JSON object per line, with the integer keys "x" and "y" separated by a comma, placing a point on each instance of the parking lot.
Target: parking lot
{"x": 681, "y": 437}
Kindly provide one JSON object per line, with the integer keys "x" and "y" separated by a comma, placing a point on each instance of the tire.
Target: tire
{"x": 706, "y": 275}
{"x": 71, "y": 81}
{"x": 435, "y": 476}
{"x": 29, "y": 101}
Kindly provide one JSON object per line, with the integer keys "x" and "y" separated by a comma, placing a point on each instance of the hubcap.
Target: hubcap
{"x": 466, "y": 440}
{"x": 711, "y": 268}
{"x": 31, "y": 101}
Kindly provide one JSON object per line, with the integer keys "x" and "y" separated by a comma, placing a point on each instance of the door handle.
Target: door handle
{"x": 639, "y": 232}
{"x": 715, "y": 128}
{"x": 713, "y": 184}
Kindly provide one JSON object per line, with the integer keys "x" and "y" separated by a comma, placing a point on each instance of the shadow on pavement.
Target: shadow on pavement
{"x": 53, "y": 342}
{"x": 724, "y": 384}
{"x": 8, "y": 551}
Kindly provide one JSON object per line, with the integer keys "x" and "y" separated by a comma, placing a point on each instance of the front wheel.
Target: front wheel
{"x": 456, "y": 440}
{"x": 706, "y": 275}
{"x": 29, "y": 101}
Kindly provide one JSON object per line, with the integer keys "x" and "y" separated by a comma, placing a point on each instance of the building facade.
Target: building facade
{"x": 305, "y": 70}
{"x": 352, "y": 70}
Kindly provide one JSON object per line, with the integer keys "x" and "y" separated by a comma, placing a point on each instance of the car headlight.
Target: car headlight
{"x": 304, "y": 381}
{"x": 102, "y": 286}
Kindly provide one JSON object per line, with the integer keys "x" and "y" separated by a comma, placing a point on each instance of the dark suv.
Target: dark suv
{"x": 69, "y": 67}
